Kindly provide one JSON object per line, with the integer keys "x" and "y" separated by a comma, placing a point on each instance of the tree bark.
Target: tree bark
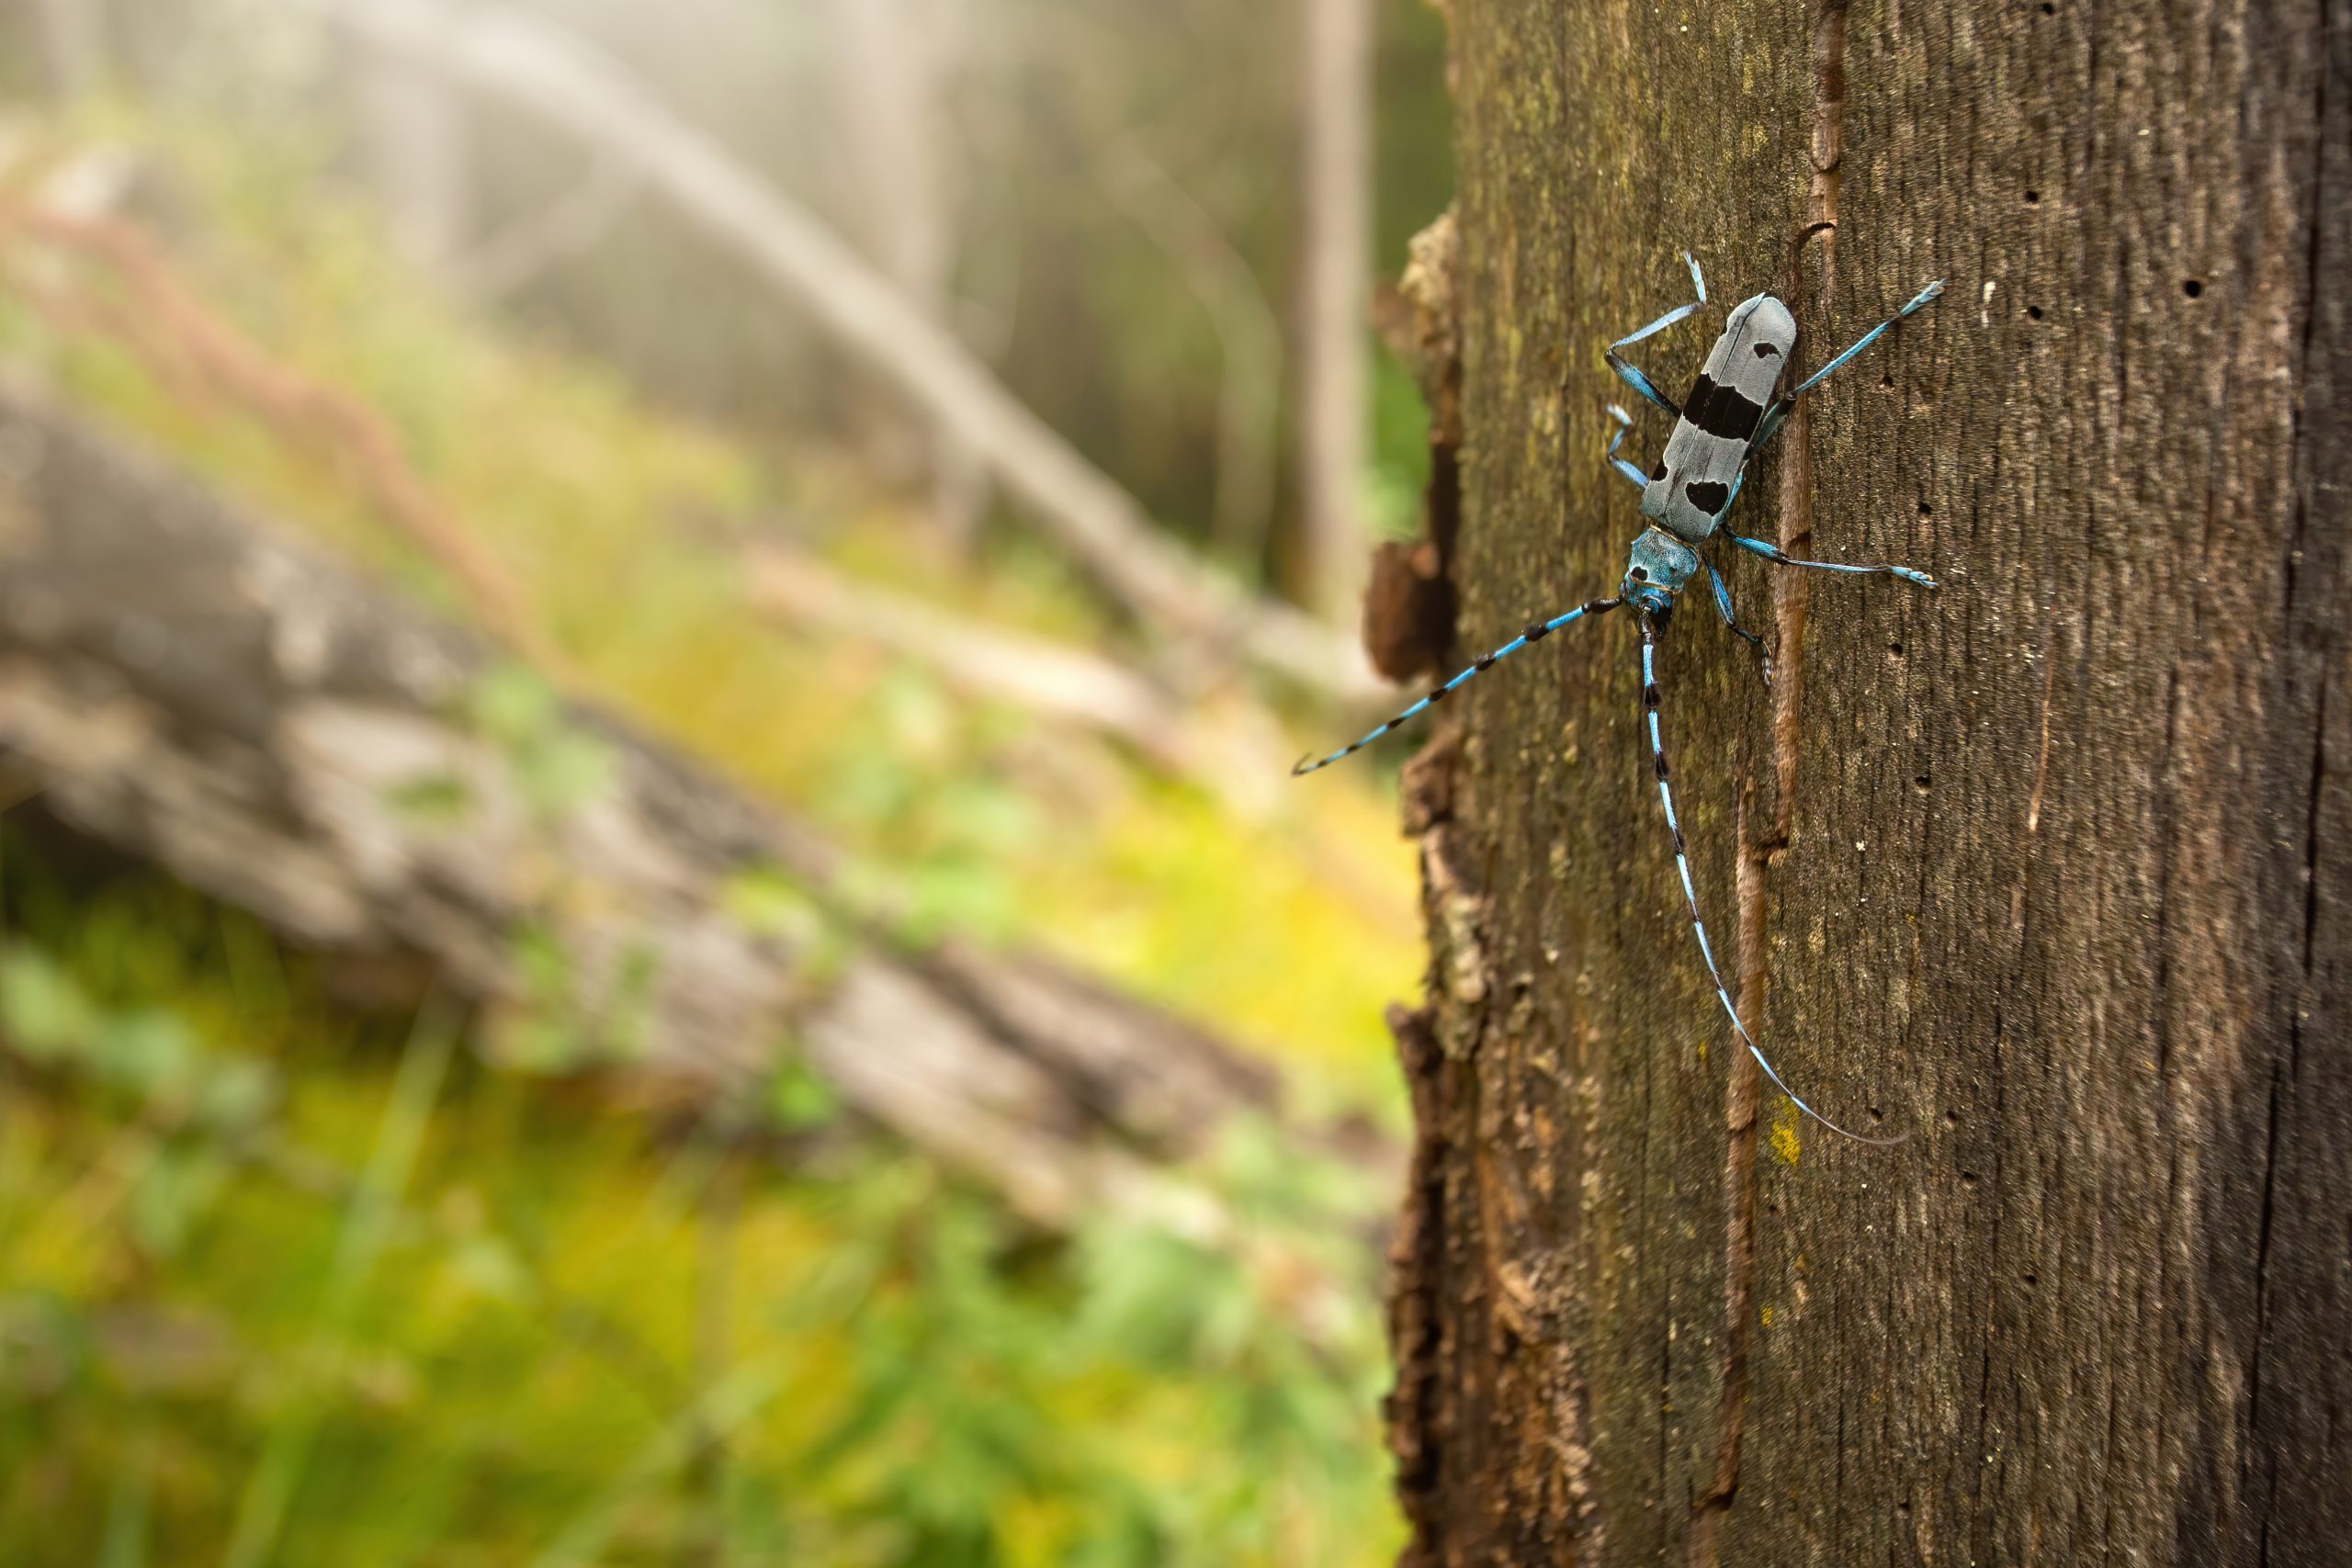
{"x": 2051, "y": 870}
{"x": 182, "y": 682}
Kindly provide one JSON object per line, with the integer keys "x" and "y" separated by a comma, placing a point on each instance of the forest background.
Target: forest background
{"x": 364, "y": 1198}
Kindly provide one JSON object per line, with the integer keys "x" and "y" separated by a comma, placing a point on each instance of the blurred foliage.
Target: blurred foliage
{"x": 284, "y": 1283}
{"x": 1091, "y": 316}
{"x": 623, "y": 529}
{"x": 299, "y": 1284}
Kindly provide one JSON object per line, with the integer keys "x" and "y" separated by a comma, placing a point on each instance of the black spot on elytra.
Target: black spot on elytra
{"x": 1658, "y": 472}
{"x": 1707, "y": 495}
{"x": 1765, "y": 351}
{"x": 1721, "y": 411}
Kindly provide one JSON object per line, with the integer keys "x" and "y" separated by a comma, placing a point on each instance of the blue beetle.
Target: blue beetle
{"x": 1732, "y": 411}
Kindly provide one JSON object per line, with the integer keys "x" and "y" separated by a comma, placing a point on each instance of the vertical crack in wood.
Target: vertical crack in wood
{"x": 1759, "y": 847}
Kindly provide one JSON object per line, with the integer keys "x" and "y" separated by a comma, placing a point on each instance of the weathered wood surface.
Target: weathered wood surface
{"x": 188, "y": 685}
{"x": 2052, "y": 870}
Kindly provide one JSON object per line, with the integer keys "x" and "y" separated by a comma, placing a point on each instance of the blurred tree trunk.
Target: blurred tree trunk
{"x": 1334, "y": 310}
{"x": 894, "y": 185}
{"x": 516, "y": 59}
{"x": 72, "y": 37}
{"x": 412, "y": 140}
{"x": 2051, "y": 870}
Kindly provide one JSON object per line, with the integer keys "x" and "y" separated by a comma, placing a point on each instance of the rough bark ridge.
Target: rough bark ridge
{"x": 2052, "y": 870}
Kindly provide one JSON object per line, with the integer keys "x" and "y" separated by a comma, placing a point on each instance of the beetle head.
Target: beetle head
{"x": 1655, "y": 569}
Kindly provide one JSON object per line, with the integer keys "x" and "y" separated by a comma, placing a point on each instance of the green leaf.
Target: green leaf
{"x": 235, "y": 1094}
{"x": 47, "y": 1015}
{"x": 564, "y": 772}
{"x": 174, "y": 1192}
{"x": 150, "y": 1052}
{"x": 799, "y": 1100}
{"x": 513, "y": 706}
{"x": 440, "y": 798}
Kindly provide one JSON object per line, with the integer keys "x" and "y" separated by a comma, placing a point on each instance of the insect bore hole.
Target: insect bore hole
{"x": 2033, "y": 198}
{"x": 1920, "y": 783}
{"x": 2033, "y": 312}
{"x": 2193, "y": 286}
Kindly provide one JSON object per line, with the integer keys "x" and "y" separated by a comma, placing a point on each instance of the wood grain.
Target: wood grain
{"x": 2048, "y": 869}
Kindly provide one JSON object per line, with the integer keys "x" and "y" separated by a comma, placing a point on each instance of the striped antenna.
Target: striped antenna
{"x": 1633, "y": 375}
{"x": 1683, "y": 865}
{"x": 1536, "y": 631}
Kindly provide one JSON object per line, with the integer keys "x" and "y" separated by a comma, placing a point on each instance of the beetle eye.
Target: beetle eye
{"x": 1640, "y": 575}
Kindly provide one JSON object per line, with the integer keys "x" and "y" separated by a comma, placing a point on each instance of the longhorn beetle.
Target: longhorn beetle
{"x": 1729, "y": 416}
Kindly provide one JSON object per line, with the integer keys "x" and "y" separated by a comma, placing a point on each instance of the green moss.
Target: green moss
{"x": 557, "y": 1305}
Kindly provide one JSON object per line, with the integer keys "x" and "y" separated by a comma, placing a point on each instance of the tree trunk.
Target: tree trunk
{"x": 892, "y": 64}
{"x": 1335, "y": 199}
{"x": 73, "y": 39}
{"x": 414, "y": 142}
{"x": 2051, "y": 870}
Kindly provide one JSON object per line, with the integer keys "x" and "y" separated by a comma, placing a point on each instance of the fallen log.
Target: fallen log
{"x": 196, "y": 688}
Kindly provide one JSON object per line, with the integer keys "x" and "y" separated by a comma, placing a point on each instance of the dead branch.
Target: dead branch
{"x": 540, "y": 71}
{"x": 1065, "y": 685}
{"x": 1230, "y": 750}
